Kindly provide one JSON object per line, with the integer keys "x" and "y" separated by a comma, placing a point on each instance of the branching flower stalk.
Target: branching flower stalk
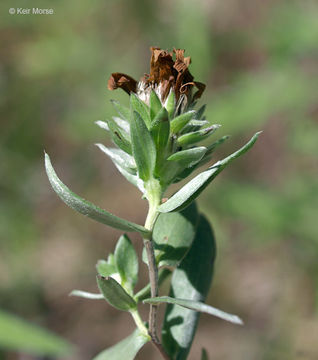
{"x": 156, "y": 139}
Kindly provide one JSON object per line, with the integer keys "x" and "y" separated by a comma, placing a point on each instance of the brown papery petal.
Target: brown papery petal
{"x": 201, "y": 88}
{"x": 123, "y": 81}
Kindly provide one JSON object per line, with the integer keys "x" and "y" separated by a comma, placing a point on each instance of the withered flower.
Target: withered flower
{"x": 166, "y": 74}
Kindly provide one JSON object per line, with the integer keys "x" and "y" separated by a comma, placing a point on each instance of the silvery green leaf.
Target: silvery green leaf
{"x": 124, "y": 124}
{"x": 115, "y": 294}
{"x": 133, "y": 179}
{"x": 107, "y": 268}
{"x": 196, "y": 306}
{"x": 102, "y": 124}
{"x": 206, "y": 158}
{"x": 155, "y": 105}
{"x": 200, "y": 112}
{"x": 179, "y": 122}
{"x": 196, "y": 136}
{"x": 194, "y": 187}
{"x": 143, "y": 147}
{"x": 86, "y": 295}
{"x": 123, "y": 111}
{"x": 212, "y": 147}
{"x": 170, "y": 103}
{"x": 141, "y": 108}
{"x": 18, "y": 335}
{"x": 85, "y": 207}
{"x": 189, "y": 157}
{"x": 119, "y": 136}
{"x": 190, "y": 280}
{"x": 127, "y": 262}
{"x": 126, "y": 349}
{"x": 160, "y": 131}
{"x": 198, "y": 123}
{"x": 173, "y": 235}
{"x": 120, "y": 158}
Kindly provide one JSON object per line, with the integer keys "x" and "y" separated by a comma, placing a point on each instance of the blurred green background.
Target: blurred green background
{"x": 259, "y": 60}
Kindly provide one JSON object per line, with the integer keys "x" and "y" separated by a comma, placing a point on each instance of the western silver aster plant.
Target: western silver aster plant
{"x": 157, "y": 143}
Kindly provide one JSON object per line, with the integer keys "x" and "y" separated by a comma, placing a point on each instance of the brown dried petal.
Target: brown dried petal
{"x": 123, "y": 81}
{"x": 161, "y": 66}
{"x": 201, "y": 88}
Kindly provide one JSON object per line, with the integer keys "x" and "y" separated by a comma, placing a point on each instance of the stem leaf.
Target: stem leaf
{"x": 85, "y": 207}
{"x": 155, "y": 105}
{"x": 19, "y": 335}
{"x": 179, "y": 122}
{"x": 143, "y": 147}
{"x": 196, "y": 306}
{"x": 87, "y": 295}
{"x": 194, "y": 187}
{"x": 188, "y": 158}
{"x": 191, "y": 280}
{"x": 115, "y": 294}
{"x": 173, "y": 235}
{"x": 141, "y": 108}
{"x": 122, "y": 110}
{"x": 126, "y": 349}
{"x": 126, "y": 261}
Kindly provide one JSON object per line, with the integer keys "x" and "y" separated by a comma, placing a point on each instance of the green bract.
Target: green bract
{"x": 158, "y": 142}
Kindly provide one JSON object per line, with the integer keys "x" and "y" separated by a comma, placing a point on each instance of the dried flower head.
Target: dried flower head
{"x": 166, "y": 74}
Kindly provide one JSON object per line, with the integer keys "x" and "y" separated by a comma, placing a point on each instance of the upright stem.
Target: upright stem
{"x": 154, "y": 198}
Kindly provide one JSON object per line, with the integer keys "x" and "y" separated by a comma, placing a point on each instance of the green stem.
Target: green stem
{"x": 139, "y": 323}
{"x": 154, "y": 193}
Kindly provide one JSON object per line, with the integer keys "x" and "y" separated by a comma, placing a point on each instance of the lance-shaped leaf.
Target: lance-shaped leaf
{"x": 194, "y": 187}
{"x": 123, "y": 124}
{"x": 191, "y": 280}
{"x": 200, "y": 112}
{"x": 143, "y": 147}
{"x": 155, "y": 105}
{"x": 87, "y": 295}
{"x": 122, "y": 110}
{"x": 196, "y": 136}
{"x": 102, "y": 124}
{"x": 189, "y": 157}
{"x": 179, "y": 122}
{"x": 196, "y": 306}
{"x": 141, "y": 108}
{"x": 173, "y": 235}
{"x": 198, "y": 123}
{"x": 85, "y": 207}
{"x": 170, "y": 103}
{"x": 206, "y": 158}
{"x": 160, "y": 131}
{"x": 126, "y": 262}
{"x": 120, "y": 158}
{"x": 19, "y": 335}
{"x": 126, "y": 349}
{"x": 133, "y": 179}
{"x": 119, "y": 137}
{"x": 115, "y": 294}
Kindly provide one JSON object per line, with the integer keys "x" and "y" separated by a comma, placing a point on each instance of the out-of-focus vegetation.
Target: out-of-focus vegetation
{"x": 260, "y": 63}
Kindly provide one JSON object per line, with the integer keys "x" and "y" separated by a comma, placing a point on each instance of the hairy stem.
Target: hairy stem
{"x": 154, "y": 198}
